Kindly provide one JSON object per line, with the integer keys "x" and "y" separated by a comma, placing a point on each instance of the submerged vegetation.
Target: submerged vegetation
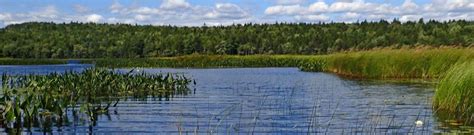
{"x": 455, "y": 93}
{"x": 30, "y": 100}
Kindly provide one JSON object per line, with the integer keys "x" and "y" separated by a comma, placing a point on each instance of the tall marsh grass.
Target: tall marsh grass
{"x": 391, "y": 63}
{"x": 204, "y": 61}
{"x": 455, "y": 93}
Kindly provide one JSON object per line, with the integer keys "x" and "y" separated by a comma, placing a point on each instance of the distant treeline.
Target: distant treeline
{"x": 90, "y": 40}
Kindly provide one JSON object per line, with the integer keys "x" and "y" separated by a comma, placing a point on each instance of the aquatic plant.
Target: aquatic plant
{"x": 31, "y": 99}
{"x": 455, "y": 93}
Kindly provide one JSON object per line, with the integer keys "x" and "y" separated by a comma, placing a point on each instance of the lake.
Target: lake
{"x": 265, "y": 101}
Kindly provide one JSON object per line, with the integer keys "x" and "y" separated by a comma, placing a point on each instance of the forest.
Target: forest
{"x": 95, "y": 40}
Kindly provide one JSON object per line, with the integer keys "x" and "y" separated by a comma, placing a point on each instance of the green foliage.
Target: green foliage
{"x": 455, "y": 93}
{"x": 31, "y": 99}
{"x": 89, "y": 40}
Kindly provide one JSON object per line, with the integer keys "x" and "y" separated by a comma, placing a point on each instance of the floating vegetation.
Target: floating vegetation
{"x": 455, "y": 93}
{"x": 29, "y": 100}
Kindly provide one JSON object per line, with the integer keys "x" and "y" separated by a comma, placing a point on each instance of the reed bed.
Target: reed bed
{"x": 29, "y": 100}
{"x": 204, "y": 61}
{"x": 455, "y": 93}
{"x": 391, "y": 63}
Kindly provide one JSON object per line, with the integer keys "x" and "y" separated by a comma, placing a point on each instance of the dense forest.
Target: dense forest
{"x": 90, "y": 40}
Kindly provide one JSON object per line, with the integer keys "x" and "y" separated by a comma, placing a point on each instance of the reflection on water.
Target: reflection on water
{"x": 273, "y": 101}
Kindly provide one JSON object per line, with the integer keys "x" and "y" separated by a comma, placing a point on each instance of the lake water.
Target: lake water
{"x": 268, "y": 101}
{"x": 42, "y": 69}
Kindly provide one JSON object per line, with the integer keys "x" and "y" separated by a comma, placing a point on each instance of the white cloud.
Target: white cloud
{"x": 406, "y": 18}
{"x": 175, "y": 4}
{"x": 351, "y": 15}
{"x": 93, "y": 18}
{"x": 451, "y": 5}
{"x": 142, "y": 17}
{"x": 181, "y": 12}
{"x": 4, "y": 17}
{"x": 344, "y": 0}
{"x": 312, "y": 18}
{"x": 318, "y": 7}
{"x": 146, "y": 10}
{"x": 356, "y": 6}
{"x": 289, "y": 2}
{"x": 227, "y": 10}
{"x": 376, "y": 17}
{"x": 285, "y": 10}
{"x": 48, "y": 14}
{"x": 351, "y": 10}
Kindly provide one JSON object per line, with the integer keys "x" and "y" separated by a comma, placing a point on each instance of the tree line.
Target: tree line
{"x": 92, "y": 40}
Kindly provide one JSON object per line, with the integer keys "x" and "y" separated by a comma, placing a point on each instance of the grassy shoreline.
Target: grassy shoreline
{"x": 204, "y": 61}
{"x": 418, "y": 63}
{"x": 391, "y": 63}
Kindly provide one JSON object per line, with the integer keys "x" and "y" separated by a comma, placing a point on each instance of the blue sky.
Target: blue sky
{"x": 224, "y": 12}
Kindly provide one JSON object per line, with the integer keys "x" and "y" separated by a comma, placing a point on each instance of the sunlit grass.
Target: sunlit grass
{"x": 455, "y": 93}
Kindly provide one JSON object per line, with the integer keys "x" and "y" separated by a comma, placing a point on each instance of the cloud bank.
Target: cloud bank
{"x": 183, "y": 12}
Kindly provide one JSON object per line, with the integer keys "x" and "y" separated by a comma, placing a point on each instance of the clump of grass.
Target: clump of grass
{"x": 30, "y": 99}
{"x": 314, "y": 64}
{"x": 455, "y": 93}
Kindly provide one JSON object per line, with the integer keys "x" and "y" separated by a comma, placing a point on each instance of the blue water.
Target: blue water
{"x": 266, "y": 101}
{"x": 42, "y": 69}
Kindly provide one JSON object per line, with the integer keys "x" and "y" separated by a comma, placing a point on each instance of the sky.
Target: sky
{"x": 226, "y": 12}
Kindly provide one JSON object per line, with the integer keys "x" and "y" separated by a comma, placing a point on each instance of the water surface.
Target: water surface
{"x": 271, "y": 101}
